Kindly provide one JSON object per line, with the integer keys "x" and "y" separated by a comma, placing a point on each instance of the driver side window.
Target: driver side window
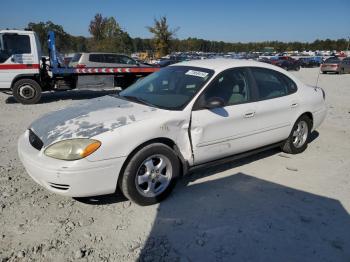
{"x": 232, "y": 86}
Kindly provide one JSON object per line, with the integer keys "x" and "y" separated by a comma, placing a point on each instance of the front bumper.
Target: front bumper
{"x": 79, "y": 178}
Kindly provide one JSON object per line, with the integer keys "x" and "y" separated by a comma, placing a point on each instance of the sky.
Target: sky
{"x": 222, "y": 20}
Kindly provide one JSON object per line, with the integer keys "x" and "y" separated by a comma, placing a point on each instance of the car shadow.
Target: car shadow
{"x": 244, "y": 218}
{"x": 49, "y": 97}
{"x": 117, "y": 197}
{"x": 313, "y": 136}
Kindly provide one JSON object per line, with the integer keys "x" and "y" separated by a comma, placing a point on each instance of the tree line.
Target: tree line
{"x": 108, "y": 36}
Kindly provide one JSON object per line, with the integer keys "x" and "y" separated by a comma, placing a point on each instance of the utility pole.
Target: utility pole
{"x": 347, "y": 49}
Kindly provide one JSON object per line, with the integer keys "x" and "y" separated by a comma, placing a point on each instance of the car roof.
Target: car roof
{"x": 220, "y": 64}
{"x": 13, "y": 31}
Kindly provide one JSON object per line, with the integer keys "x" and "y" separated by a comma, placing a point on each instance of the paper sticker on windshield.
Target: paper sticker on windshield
{"x": 196, "y": 73}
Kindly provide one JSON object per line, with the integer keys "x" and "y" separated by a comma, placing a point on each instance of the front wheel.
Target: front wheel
{"x": 299, "y": 136}
{"x": 150, "y": 175}
{"x": 27, "y": 91}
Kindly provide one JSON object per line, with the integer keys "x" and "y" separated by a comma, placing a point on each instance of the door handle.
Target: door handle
{"x": 294, "y": 105}
{"x": 250, "y": 114}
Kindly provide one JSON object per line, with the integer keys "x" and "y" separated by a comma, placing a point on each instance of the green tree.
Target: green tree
{"x": 162, "y": 35}
{"x": 107, "y": 36}
{"x": 97, "y": 27}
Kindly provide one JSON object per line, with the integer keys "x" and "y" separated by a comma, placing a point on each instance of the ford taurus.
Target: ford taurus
{"x": 187, "y": 115}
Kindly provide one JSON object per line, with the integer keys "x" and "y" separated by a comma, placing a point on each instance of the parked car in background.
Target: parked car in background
{"x": 309, "y": 62}
{"x": 288, "y": 63}
{"x": 345, "y": 66}
{"x": 183, "y": 117}
{"x": 103, "y": 60}
{"x": 331, "y": 65}
{"x": 166, "y": 62}
{"x": 274, "y": 60}
{"x": 264, "y": 60}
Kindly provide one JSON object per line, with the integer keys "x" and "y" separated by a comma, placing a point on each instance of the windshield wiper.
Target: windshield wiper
{"x": 137, "y": 99}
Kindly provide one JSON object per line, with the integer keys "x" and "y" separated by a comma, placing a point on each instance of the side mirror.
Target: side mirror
{"x": 214, "y": 102}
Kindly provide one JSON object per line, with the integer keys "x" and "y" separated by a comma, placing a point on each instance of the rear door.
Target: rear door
{"x": 16, "y": 57}
{"x": 277, "y": 105}
{"x": 227, "y": 130}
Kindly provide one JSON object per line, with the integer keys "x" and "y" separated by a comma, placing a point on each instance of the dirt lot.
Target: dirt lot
{"x": 269, "y": 207}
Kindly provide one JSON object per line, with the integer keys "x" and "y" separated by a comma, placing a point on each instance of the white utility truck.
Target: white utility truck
{"x": 25, "y": 73}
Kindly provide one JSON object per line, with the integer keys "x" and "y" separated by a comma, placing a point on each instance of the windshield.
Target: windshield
{"x": 76, "y": 57}
{"x": 170, "y": 88}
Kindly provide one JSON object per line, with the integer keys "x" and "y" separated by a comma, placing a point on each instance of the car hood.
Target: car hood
{"x": 89, "y": 119}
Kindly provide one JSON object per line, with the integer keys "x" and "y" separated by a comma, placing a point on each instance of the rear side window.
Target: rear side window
{"x": 99, "y": 58}
{"x": 272, "y": 84}
{"x": 332, "y": 60}
{"x": 16, "y": 44}
{"x": 346, "y": 61}
{"x": 112, "y": 59}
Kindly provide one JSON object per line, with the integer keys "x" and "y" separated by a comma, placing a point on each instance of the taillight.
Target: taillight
{"x": 80, "y": 66}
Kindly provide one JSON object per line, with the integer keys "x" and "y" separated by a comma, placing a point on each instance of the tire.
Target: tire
{"x": 297, "y": 68}
{"x": 142, "y": 182}
{"x": 27, "y": 91}
{"x": 291, "y": 145}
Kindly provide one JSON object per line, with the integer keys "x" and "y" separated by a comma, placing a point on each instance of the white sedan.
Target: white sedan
{"x": 184, "y": 116}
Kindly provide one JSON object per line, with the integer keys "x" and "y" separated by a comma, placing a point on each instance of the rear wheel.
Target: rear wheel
{"x": 150, "y": 175}
{"x": 27, "y": 91}
{"x": 299, "y": 136}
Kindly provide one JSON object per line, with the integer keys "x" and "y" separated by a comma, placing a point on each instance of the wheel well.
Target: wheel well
{"x": 309, "y": 115}
{"x": 162, "y": 140}
{"x": 19, "y": 77}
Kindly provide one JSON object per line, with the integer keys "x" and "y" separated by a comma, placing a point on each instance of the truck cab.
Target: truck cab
{"x": 20, "y": 55}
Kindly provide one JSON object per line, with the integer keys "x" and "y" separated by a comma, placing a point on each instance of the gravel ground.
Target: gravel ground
{"x": 269, "y": 207}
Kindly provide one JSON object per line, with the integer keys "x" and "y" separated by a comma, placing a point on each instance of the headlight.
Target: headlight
{"x": 72, "y": 149}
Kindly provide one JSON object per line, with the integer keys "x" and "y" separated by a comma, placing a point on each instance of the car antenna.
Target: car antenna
{"x": 318, "y": 76}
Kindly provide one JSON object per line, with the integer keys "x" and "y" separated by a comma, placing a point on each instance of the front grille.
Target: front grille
{"x": 59, "y": 186}
{"x": 35, "y": 141}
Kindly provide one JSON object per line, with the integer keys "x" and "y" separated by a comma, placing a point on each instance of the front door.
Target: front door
{"x": 226, "y": 130}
